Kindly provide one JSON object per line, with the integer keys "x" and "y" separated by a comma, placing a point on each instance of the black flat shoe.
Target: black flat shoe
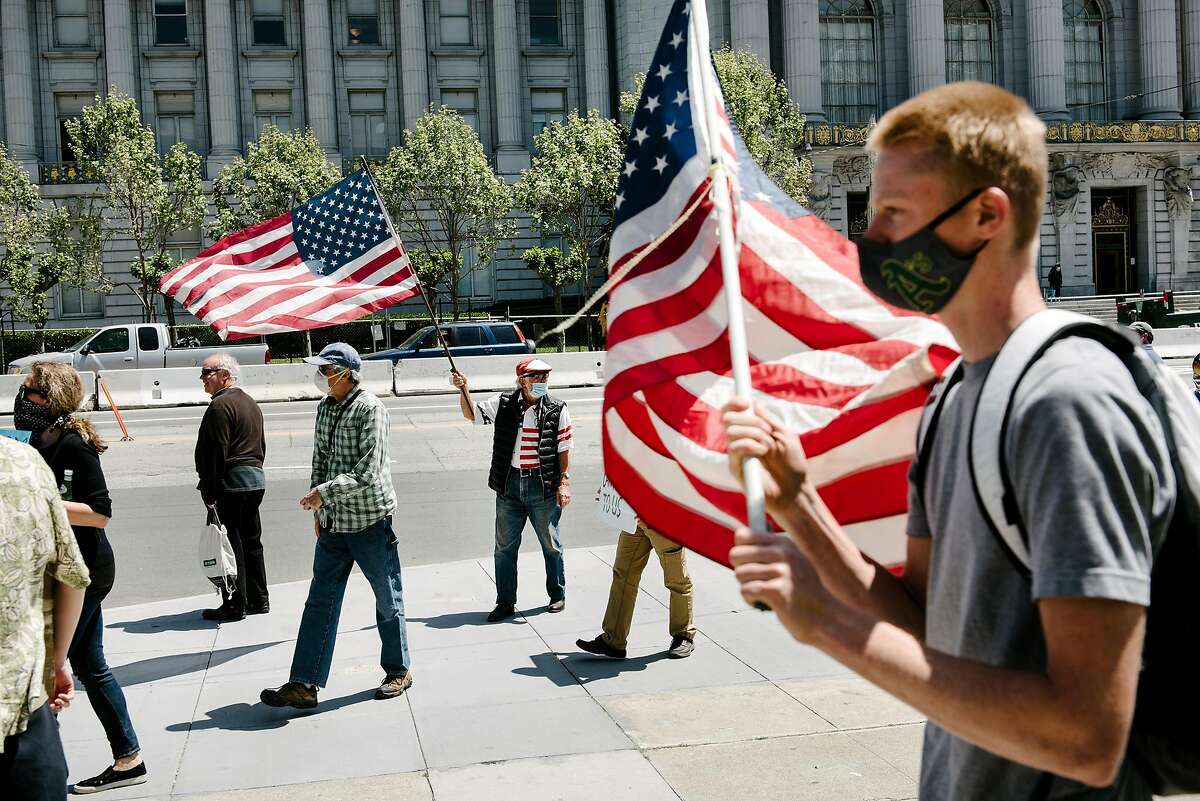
{"x": 223, "y": 614}
{"x": 258, "y": 610}
{"x": 501, "y": 612}
{"x": 600, "y": 648}
{"x": 110, "y": 779}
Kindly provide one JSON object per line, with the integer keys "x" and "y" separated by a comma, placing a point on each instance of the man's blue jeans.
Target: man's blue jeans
{"x": 522, "y": 500}
{"x": 374, "y": 551}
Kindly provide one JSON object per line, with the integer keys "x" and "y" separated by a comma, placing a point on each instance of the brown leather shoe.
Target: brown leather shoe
{"x": 293, "y": 694}
{"x": 393, "y": 686}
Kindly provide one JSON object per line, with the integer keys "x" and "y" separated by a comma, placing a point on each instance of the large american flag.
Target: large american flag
{"x": 330, "y": 260}
{"x": 844, "y": 370}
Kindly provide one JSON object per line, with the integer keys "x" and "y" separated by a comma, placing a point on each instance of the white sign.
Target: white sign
{"x": 613, "y": 510}
{"x": 377, "y": 332}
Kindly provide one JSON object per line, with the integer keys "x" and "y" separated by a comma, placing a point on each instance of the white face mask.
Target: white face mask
{"x": 539, "y": 390}
{"x": 321, "y": 383}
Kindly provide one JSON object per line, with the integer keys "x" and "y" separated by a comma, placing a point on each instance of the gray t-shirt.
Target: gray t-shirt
{"x": 1093, "y": 482}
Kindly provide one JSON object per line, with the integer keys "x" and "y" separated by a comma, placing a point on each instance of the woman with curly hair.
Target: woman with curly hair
{"x": 45, "y": 406}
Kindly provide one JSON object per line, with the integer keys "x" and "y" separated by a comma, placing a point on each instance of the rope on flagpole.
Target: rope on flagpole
{"x": 624, "y": 270}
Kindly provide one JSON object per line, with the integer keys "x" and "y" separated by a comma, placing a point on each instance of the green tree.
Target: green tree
{"x": 278, "y": 171}
{"x": 769, "y": 122}
{"x": 557, "y": 272}
{"x": 444, "y": 195}
{"x": 42, "y": 247}
{"x": 570, "y": 188}
{"x": 147, "y": 197}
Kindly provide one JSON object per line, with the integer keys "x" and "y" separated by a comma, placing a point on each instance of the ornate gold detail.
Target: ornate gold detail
{"x": 858, "y": 226}
{"x": 1109, "y": 216}
{"x": 838, "y": 134}
{"x": 1101, "y": 132}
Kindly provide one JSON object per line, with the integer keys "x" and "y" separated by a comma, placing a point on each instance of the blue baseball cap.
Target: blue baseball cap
{"x": 338, "y": 354}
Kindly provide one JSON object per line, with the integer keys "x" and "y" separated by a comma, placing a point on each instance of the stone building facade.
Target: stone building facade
{"x": 1118, "y": 81}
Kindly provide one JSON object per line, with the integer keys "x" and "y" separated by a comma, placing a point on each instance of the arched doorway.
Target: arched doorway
{"x": 1114, "y": 242}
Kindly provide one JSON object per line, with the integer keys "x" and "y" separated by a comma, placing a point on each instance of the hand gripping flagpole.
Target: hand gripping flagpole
{"x": 437, "y": 327}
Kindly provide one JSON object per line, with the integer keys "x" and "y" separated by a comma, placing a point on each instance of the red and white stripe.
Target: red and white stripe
{"x": 253, "y": 282}
{"x": 846, "y": 372}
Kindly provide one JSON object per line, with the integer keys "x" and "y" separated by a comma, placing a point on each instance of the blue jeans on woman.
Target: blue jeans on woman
{"x": 522, "y": 500}
{"x": 89, "y": 665}
{"x": 374, "y": 551}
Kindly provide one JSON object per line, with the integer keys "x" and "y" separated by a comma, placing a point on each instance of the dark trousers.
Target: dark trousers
{"x": 33, "y": 766}
{"x": 239, "y": 514}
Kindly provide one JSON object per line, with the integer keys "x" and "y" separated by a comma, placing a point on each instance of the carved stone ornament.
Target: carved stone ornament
{"x": 853, "y": 169}
{"x": 1177, "y": 182}
{"x": 821, "y": 193}
{"x": 1064, "y": 188}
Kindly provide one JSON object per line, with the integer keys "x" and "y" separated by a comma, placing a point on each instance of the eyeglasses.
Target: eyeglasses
{"x": 23, "y": 392}
{"x": 207, "y": 371}
{"x": 537, "y": 377}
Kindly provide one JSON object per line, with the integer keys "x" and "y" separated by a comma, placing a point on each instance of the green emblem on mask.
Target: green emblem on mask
{"x": 913, "y": 280}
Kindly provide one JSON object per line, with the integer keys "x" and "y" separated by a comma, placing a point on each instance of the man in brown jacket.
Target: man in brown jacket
{"x": 230, "y": 450}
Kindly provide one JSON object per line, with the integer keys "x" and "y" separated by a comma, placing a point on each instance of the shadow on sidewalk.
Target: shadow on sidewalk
{"x": 180, "y": 621}
{"x": 166, "y": 667}
{"x": 584, "y": 667}
{"x": 454, "y": 620}
{"x": 260, "y": 717}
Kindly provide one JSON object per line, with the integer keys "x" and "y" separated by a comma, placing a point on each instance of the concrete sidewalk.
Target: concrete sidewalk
{"x": 500, "y": 711}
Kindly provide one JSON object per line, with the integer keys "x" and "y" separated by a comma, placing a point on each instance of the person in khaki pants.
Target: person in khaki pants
{"x": 633, "y": 551}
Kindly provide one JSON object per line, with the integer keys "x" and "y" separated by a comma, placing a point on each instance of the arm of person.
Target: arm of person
{"x": 464, "y": 395}
{"x": 370, "y": 467}
{"x": 212, "y": 447}
{"x": 91, "y": 504}
{"x": 565, "y": 440}
{"x": 69, "y": 577}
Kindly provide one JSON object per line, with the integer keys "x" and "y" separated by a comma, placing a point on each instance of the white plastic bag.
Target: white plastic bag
{"x": 216, "y": 555}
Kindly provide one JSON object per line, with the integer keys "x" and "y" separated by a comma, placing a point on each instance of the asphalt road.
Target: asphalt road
{"x": 446, "y": 511}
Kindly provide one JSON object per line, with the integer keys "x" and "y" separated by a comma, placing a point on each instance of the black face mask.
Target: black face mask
{"x": 920, "y": 272}
{"x": 29, "y": 416}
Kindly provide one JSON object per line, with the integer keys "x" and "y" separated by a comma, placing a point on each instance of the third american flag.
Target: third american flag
{"x": 845, "y": 371}
{"x": 330, "y": 260}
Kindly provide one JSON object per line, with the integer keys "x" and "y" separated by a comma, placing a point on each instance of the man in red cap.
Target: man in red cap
{"x": 529, "y": 473}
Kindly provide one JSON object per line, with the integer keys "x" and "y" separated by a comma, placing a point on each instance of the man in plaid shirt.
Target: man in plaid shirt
{"x": 352, "y": 501}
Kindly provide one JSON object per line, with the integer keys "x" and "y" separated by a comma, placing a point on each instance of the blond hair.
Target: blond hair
{"x": 63, "y": 388}
{"x": 978, "y": 135}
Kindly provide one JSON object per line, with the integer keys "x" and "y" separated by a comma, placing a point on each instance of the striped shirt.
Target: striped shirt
{"x": 525, "y": 455}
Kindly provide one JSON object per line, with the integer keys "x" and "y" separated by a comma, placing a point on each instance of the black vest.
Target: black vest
{"x": 508, "y": 425}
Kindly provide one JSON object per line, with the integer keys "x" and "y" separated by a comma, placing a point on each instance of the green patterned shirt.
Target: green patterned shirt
{"x": 351, "y": 464}
{"x": 37, "y": 548}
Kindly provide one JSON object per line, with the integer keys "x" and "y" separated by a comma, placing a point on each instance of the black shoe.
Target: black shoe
{"x": 258, "y": 610}
{"x": 501, "y": 612}
{"x": 111, "y": 778}
{"x": 293, "y": 694}
{"x": 681, "y": 647}
{"x": 557, "y": 606}
{"x": 223, "y": 614}
{"x": 599, "y": 647}
{"x": 393, "y": 686}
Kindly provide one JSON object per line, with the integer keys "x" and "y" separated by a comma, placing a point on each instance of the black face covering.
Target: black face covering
{"x": 920, "y": 272}
{"x": 29, "y": 416}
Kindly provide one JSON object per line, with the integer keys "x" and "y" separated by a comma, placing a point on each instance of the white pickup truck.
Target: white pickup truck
{"x": 139, "y": 345}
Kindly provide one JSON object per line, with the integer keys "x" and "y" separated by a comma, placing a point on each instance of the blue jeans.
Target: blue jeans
{"x": 374, "y": 551}
{"x": 89, "y": 665}
{"x": 522, "y": 500}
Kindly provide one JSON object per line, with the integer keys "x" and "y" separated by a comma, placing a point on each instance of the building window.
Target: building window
{"x": 1083, "y": 27}
{"x": 454, "y": 21}
{"x": 466, "y": 103}
{"x": 266, "y": 22}
{"x": 176, "y": 112}
{"x": 543, "y": 23}
{"x": 858, "y": 215}
{"x": 272, "y": 107}
{"x": 362, "y": 19}
{"x": 968, "y": 41}
{"x": 76, "y": 302}
{"x": 170, "y": 23}
{"x": 71, "y": 28}
{"x": 68, "y": 107}
{"x": 849, "y": 63}
{"x": 368, "y": 124}
{"x": 548, "y": 105}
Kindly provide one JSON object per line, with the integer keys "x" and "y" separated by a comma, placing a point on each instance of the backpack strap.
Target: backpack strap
{"x": 927, "y": 430}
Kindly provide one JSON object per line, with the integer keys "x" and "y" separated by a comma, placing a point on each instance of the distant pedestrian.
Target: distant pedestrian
{"x": 71, "y": 447}
{"x": 230, "y": 449}
{"x": 633, "y": 551}
{"x": 1055, "y": 281}
{"x": 530, "y": 475}
{"x": 1146, "y": 335}
{"x": 41, "y": 595}
{"x": 352, "y": 501}
{"x": 1196, "y": 375}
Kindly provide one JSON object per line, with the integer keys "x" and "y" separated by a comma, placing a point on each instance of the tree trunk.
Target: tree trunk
{"x": 169, "y": 305}
{"x": 562, "y": 335}
{"x": 39, "y": 338}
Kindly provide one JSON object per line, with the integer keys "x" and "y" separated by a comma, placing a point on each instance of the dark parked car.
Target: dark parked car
{"x": 476, "y": 338}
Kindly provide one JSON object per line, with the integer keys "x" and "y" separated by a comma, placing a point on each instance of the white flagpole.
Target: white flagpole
{"x": 752, "y": 483}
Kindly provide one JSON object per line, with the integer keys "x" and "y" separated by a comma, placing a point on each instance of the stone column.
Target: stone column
{"x": 511, "y": 154}
{"x": 802, "y": 57}
{"x": 1047, "y": 60}
{"x": 318, "y": 73}
{"x": 1191, "y": 59}
{"x": 20, "y": 131}
{"x": 595, "y": 56}
{"x": 119, "y": 50}
{"x": 750, "y": 28}
{"x": 414, "y": 64}
{"x": 221, "y": 62}
{"x": 1158, "y": 48}
{"x": 926, "y": 45}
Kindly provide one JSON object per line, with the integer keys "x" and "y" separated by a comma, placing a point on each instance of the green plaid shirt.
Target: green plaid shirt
{"x": 351, "y": 468}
